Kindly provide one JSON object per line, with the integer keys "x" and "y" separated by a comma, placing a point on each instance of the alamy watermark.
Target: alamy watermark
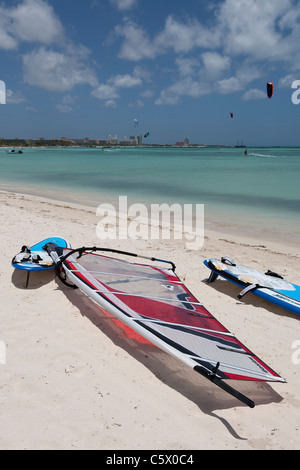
{"x": 2, "y": 92}
{"x": 155, "y": 222}
{"x": 2, "y": 353}
{"x": 296, "y": 353}
{"x": 296, "y": 94}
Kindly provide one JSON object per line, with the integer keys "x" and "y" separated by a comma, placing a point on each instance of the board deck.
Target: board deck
{"x": 269, "y": 286}
{"x": 34, "y": 258}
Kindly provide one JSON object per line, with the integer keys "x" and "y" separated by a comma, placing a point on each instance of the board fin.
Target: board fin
{"x": 213, "y": 276}
{"x": 247, "y": 289}
{"x": 271, "y": 273}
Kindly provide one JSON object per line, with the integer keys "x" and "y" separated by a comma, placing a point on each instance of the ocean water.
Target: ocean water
{"x": 258, "y": 194}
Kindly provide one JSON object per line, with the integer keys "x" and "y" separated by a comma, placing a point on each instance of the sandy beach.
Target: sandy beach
{"x": 73, "y": 379}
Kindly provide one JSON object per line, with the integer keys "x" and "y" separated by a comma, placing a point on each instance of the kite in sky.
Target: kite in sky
{"x": 270, "y": 88}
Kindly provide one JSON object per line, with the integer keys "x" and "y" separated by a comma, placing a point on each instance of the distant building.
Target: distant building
{"x": 133, "y": 140}
{"x": 64, "y": 139}
{"x": 185, "y": 143}
{"x": 112, "y": 140}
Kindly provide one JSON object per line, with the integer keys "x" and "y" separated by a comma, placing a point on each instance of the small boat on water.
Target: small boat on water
{"x": 17, "y": 152}
{"x": 240, "y": 145}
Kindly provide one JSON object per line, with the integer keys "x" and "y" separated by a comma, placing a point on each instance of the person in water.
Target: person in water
{"x": 246, "y": 152}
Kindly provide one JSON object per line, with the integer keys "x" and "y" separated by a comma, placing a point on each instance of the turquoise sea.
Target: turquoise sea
{"x": 257, "y": 195}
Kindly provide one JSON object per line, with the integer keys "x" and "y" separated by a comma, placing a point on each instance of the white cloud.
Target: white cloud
{"x": 125, "y": 81}
{"x": 185, "y": 87}
{"x": 35, "y": 20}
{"x": 147, "y": 93}
{"x": 254, "y": 94}
{"x": 66, "y": 104}
{"x": 124, "y": 4}
{"x": 105, "y": 92}
{"x": 196, "y": 82}
{"x": 240, "y": 81}
{"x": 249, "y": 28}
{"x": 187, "y": 66}
{"x": 215, "y": 64}
{"x": 14, "y": 97}
{"x": 287, "y": 80}
{"x": 182, "y": 37}
{"x": 167, "y": 97}
{"x": 111, "y": 104}
{"x": 244, "y": 39}
{"x": 136, "y": 44}
{"x": 230, "y": 85}
{"x": 7, "y": 41}
{"x": 55, "y": 71}
{"x": 64, "y": 108}
{"x": 142, "y": 73}
{"x": 136, "y": 104}
{"x": 109, "y": 90}
{"x": 254, "y": 29}
{"x": 289, "y": 21}
{"x": 30, "y": 21}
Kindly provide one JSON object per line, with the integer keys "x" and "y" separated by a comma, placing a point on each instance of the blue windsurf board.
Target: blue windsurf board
{"x": 35, "y": 258}
{"x": 269, "y": 286}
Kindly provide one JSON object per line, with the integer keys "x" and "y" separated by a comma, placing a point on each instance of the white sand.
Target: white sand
{"x": 74, "y": 380}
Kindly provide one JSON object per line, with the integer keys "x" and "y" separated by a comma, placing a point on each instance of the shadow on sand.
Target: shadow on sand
{"x": 31, "y": 279}
{"x": 207, "y": 396}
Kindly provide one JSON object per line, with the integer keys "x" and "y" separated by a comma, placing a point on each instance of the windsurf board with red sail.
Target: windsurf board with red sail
{"x": 154, "y": 302}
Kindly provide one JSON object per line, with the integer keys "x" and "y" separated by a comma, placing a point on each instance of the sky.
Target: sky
{"x": 174, "y": 68}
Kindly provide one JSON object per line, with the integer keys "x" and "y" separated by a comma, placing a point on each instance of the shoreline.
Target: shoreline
{"x": 259, "y": 235}
{"x": 192, "y": 146}
{"x": 71, "y": 368}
